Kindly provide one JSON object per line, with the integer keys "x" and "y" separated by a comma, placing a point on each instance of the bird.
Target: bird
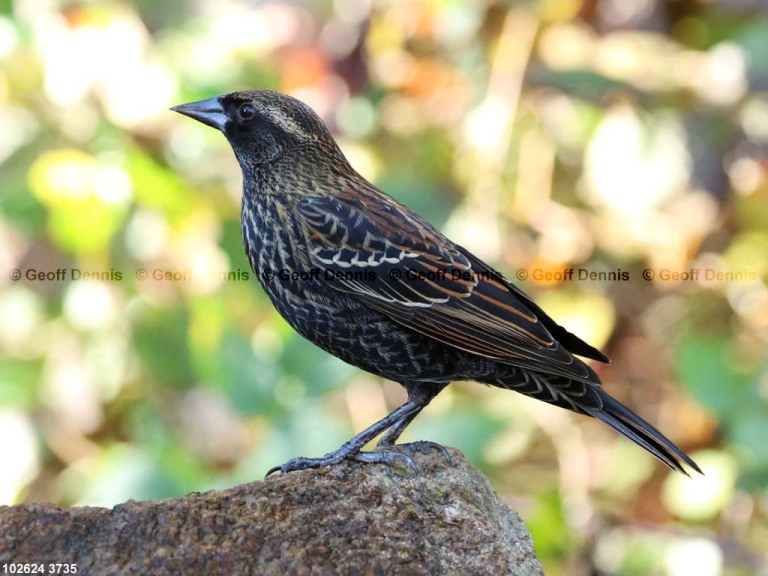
{"x": 368, "y": 280}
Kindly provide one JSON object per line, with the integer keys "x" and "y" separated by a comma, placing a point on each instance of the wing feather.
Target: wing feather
{"x": 428, "y": 284}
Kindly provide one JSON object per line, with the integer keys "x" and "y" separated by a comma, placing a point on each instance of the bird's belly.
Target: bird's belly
{"x": 363, "y": 337}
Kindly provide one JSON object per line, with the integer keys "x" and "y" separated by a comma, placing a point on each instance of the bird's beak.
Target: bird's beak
{"x": 209, "y": 112}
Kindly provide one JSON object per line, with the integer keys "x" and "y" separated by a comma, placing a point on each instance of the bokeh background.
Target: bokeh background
{"x": 140, "y": 359}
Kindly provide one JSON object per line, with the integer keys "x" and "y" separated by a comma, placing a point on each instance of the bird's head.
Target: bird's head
{"x": 263, "y": 126}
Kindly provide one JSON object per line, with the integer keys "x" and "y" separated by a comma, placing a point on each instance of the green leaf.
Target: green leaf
{"x": 157, "y": 187}
{"x": 703, "y": 366}
{"x": 160, "y": 338}
{"x": 247, "y": 380}
{"x": 549, "y": 528}
{"x": 18, "y": 383}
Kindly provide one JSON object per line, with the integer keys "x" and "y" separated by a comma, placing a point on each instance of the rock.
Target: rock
{"x": 352, "y": 518}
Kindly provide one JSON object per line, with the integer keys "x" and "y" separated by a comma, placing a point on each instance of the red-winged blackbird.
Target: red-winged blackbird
{"x": 368, "y": 280}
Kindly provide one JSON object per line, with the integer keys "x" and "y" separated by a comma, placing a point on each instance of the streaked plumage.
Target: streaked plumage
{"x": 387, "y": 292}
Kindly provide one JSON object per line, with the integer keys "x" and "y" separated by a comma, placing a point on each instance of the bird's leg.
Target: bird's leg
{"x": 418, "y": 395}
{"x": 352, "y": 448}
{"x": 394, "y": 432}
{"x": 423, "y": 446}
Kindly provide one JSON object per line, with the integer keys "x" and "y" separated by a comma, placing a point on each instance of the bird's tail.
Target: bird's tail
{"x": 591, "y": 399}
{"x": 629, "y": 424}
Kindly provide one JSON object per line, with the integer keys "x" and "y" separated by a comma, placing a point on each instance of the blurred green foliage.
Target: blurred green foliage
{"x": 139, "y": 358}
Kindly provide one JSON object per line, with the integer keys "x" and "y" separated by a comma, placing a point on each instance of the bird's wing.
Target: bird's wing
{"x": 572, "y": 343}
{"x": 378, "y": 251}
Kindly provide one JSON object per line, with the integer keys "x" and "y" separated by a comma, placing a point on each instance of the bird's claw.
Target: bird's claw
{"x": 423, "y": 446}
{"x": 387, "y": 457}
{"x": 302, "y": 463}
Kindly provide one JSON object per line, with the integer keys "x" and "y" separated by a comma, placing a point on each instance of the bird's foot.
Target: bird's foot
{"x": 422, "y": 446}
{"x": 303, "y": 463}
{"x": 352, "y": 449}
{"x": 386, "y": 457}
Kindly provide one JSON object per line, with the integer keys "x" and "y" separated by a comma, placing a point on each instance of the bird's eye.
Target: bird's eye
{"x": 246, "y": 111}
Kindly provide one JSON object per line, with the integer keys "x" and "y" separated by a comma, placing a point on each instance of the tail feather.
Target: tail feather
{"x": 629, "y": 424}
{"x": 589, "y": 398}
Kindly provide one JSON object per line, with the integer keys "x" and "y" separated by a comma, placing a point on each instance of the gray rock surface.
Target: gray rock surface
{"x": 352, "y": 518}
